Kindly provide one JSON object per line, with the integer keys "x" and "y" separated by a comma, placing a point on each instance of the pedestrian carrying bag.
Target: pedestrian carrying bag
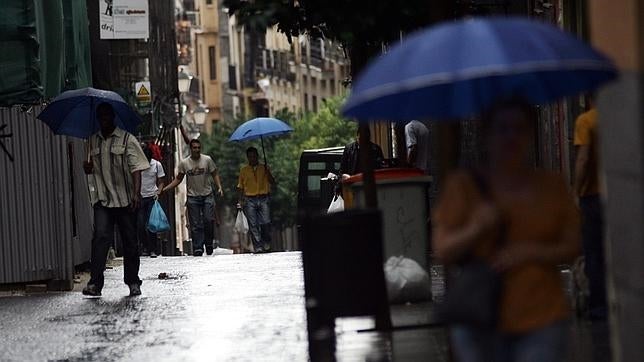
{"x": 473, "y": 287}
{"x": 337, "y": 205}
{"x": 241, "y": 223}
{"x": 158, "y": 222}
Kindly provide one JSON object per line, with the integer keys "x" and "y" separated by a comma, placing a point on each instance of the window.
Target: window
{"x": 212, "y": 58}
{"x": 317, "y": 166}
{"x": 306, "y": 102}
{"x": 315, "y": 103}
{"x": 208, "y": 2}
{"x": 232, "y": 77}
{"x": 313, "y": 185}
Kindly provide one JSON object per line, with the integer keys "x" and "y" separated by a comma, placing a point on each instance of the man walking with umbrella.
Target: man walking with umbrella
{"x": 254, "y": 187}
{"x": 116, "y": 163}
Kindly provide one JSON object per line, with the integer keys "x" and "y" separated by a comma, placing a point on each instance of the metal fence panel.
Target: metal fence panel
{"x": 38, "y": 224}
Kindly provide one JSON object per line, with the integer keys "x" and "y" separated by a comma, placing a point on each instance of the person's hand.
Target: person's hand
{"x": 345, "y": 176}
{"x": 136, "y": 202}
{"x": 486, "y": 217}
{"x": 240, "y": 204}
{"x": 88, "y": 167}
{"x": 513, "y": 255}
{"x": 220, "y": 191}
{"x": 159, "y": 192}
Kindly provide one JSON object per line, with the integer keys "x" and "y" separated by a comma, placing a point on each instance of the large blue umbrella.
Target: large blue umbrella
{"x": 457, "y": 69}
{"x": 259, "y": 128}
{"x": 73, "y": 113}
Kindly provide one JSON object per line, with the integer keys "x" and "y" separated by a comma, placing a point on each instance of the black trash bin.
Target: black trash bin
{"x": 343, "y": 270}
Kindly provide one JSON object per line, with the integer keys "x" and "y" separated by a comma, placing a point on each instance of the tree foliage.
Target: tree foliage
{"x": 361, "y": 26}
{"x": 326, "y": 128}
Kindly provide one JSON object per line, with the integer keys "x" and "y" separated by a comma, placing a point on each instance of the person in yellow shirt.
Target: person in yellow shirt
{"x": 254, "y": 187}
{"x": 587, "y": 190}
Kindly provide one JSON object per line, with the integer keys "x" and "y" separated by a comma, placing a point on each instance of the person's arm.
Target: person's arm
{"x": 269, "y": 174}
{"x": 184, "y": 135}
{"x": 412, "y": 155}
{"x": 160, "y": 185}
{"x": 582, "y": 163}
{"x": 136, "y": 196}
{"x": 215, "y": 177}
{"x": 451, "y": 243}
{"x": 240, "y": 189}
{"x": 177, "y": 180}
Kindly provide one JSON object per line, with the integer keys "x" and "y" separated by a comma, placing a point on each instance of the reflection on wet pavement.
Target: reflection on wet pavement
{"x": 223, "y": 308}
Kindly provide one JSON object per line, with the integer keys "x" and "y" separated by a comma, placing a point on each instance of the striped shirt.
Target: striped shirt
{"x": 115, "y": 158}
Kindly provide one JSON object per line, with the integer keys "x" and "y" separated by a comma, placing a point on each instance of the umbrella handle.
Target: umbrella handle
{"x": 264, "y": 152}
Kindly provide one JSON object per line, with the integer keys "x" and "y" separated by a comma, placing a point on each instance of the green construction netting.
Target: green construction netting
{"x": 44, "y": 49}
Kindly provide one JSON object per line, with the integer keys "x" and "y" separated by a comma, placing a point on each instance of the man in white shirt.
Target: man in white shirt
{"x": 201, "y": 171}
{"x": 151, "y": 185}
{"x": 417, "y": 137}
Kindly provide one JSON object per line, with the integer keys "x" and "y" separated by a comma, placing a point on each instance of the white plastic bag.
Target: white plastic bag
{"x": 337, "y": 205}
{"x": 222, "y": 251}
{"x": 241, "y": 223}
{"x": 407, "y": 281}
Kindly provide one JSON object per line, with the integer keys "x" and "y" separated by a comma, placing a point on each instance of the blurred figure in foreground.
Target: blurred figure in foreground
{"x": 524, "y": 225}
{"x": 587, "y": 190}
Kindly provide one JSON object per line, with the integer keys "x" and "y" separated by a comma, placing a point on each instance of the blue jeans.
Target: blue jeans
{"x": 547, "y": 344}
{"x": 201, "y": 215}
{"x": 256, "y": 209}
{"x": 147, "y": 240}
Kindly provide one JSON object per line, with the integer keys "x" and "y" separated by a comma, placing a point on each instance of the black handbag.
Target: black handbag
{"x": 473, "y": 288}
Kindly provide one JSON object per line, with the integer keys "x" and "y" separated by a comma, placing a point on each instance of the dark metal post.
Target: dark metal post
{"x": 165, "y": 92}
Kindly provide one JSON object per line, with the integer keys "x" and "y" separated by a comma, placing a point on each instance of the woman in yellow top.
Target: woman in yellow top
{"x": 541, "y": 231}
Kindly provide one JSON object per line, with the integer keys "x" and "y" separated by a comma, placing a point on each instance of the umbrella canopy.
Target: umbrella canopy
{"x": 260, "y": 127}
{"x": 73, "y": 113}
{"x": 457, "y": 69}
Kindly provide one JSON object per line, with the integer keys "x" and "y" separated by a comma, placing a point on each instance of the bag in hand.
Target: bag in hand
{"x": 157, "y": 222}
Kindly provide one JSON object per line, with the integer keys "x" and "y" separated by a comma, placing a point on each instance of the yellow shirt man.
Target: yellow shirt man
{"x": 254, "y": 186}
{"x": 254, "y": 181}
{"x": 587, "y": 179}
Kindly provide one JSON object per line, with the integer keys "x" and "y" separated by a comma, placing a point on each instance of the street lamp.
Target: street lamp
{"x": 200, "y": 114}
{"x": 184, "y": 80}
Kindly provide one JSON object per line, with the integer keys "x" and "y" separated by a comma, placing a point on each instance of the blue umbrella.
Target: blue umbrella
{"x": 73, "y": 113}
{"x": 260, "y": 128}
{"x": 457, "y": 69}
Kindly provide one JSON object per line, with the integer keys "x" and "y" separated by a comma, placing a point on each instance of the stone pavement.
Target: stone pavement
{"x": 217, "y": 308}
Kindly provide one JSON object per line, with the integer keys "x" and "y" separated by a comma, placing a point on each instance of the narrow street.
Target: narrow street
{"x": 221, "y": 308}
{"x": 217, "y": 308}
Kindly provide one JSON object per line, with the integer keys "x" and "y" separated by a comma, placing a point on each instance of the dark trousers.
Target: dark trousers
{"x": 592, "y": 231}
{"x": 147, "y": 240}
{"x": 104, "y": 220}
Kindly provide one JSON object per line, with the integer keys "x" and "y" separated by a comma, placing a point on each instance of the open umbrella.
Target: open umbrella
{"x": 260, "y": 128}
{"x": 73, "y": 113}
{"x": 457, "y": 69}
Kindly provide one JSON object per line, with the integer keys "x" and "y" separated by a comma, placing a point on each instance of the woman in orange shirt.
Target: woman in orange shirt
{"x": 540, "y": 224}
